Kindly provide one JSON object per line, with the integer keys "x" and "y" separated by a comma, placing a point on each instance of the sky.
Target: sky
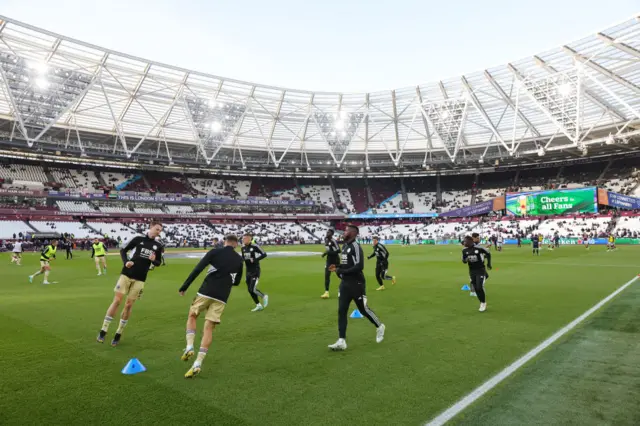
{"x": 339, "y": 46}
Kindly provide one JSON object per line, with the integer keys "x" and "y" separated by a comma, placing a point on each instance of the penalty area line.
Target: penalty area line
{"x": 478, "y": 392}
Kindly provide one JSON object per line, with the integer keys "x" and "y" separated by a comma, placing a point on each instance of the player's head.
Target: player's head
{"x": 54, "y": 242}
{"x": 375, "y": 241}
{"x": 475, "y": 237}
{"x": 216, "y": 240}
{"x": 231, "y": 240}
{"x": 95, "y": 241}
{"x": 247, "y": 238}
{"x": 330, "y": 233}
{"x": 351, "y": 232}
{"x": 155, "y": 228}
{"x": 468, "y": 241}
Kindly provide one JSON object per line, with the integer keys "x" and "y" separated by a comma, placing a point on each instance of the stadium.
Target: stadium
{"x": 97, "y": 145}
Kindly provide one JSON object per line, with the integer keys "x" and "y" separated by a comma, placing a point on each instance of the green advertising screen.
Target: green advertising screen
{"x": 553, "y": 202}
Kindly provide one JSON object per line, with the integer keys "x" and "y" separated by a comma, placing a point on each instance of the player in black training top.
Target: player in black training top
{"x": 474, "y": 256}
{"x": 252, "y": 255}
{"x": 225, "y": 271}
{"x": 352, "y": 287}
{"x": 535, "y": 244}
{"x": 143, "y": 251}
{"x": 332, "y": 251}
{"x": 382, "y": 263}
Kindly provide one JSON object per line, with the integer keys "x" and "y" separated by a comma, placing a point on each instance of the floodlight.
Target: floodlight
{"x": 216, "y": 126}
{"x": 565, "y": 89}
{"x": 339, "y": 124}
{"x": 42, "y": 83}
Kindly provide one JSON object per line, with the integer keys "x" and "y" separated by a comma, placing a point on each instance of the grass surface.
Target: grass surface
{"x": 273, "y": 367}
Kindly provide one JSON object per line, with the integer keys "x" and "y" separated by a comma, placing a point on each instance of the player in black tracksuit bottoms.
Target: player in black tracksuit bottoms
{"x": 382, "y": 263}
{"x": 332, "y": 252}
{"x": 352, "y": 287}
{"x": 474, "y": 256}
{"x": 252, "y": 255}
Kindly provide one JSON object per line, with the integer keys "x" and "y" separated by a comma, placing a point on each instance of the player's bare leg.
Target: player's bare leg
{"x": 207, "y": 338}
{"x": 41, "y": 271}
{"x": 98, "y": 266}
{"x": 104, "y": 265}
{"x": 124, "y": 318}
{"x": 192, "y": 323}
{"x": 111, "y": 312}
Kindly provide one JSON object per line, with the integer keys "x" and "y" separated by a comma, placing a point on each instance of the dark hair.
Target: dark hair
{"x": 154, "y": 223}
{"x": 354, "y": 227}
{"x": 216, "y": 239}
{"x": 376, "y": 238}
{"x": 475, "y": 235}
{"x": 231, "y": 238}
{"x": 331, "y": 231}
{"x": 247, "y": 234}
{"x": 468, "y": 238}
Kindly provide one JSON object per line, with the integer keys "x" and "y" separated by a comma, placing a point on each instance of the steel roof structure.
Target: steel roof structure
{"x": 579, "y": 98}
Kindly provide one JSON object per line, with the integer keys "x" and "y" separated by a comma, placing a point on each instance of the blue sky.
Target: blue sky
{"x": 348, "y": 46}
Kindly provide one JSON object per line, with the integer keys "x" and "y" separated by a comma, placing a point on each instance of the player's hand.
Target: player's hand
{"x": 332, "y": 268}
{"x": 152, "y": 257}
{"x": 489, "y": 267}
{"x": 181, "y": 293}
{"x": 129, "y": 264}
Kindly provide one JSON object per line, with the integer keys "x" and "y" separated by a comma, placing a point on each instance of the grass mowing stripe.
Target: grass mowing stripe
{"x": 465, "y": 402}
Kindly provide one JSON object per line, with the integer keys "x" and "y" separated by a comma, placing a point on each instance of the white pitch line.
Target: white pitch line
{"x": 478, "y": 392}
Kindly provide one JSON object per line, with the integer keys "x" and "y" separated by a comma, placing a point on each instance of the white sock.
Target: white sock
{"x": 46, "y": 276}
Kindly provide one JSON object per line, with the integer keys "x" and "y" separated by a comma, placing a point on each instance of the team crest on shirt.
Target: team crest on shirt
{"x": 155, "y": 247}
{"x": 251, "y": 250}
{"x": 476, "y": 252}
{"x": 349, "y": 250}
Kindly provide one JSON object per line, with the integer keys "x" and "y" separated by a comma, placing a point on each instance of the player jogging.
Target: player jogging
{"x": 382, "y": 263}
{"x": 352, "y": 287}
{"x": 499, "y": 242}
{"x": 535, "y": 245}
{"x": 16, "y": 253}
{"x": 225, "y": 271}
{"x": 252, "y": 255}
{"x": 48, "y": 253}
{"x": 474, "y": 257}
{"x": 98, "y": 252}
{"x": 331, "y": 253}
{"x": 143, "y": 251}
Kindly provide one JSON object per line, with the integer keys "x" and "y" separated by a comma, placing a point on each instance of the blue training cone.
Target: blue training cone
{"x": 356, "y": 314}
{"x": 465, "y": 288}
{"x": 133, "y": 367}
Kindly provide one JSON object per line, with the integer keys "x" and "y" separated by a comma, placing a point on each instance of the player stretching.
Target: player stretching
{"x": 252, "y": 255}
{"x": 331, "y": 253}
{"x": 474, "y": 257}
{"x": 535, "y": 244}
{"x": 16, "y": 253}
{"x": 145, "y": 250}
{"x": 98, "y": 251}
{"x": 382, "y": 263}
{"x": 225, "y": 271}
{"x": 48, "y": 253}
{"x": 352, "y": 287}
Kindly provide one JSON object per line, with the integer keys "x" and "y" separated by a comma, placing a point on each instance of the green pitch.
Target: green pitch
{"x": 273, "y": 367}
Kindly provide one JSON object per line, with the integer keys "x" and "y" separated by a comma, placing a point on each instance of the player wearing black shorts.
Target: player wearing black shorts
{"x": 535, "y": 242}
{"x": 252, "y": 255}
{"x": 352, "y": 288}
{"x": 474, "y": 256}
{"x": 331, "y": 253}
{"x": 382, "y": 263}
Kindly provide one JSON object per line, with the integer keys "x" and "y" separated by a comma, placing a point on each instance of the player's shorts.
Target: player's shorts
{"x": 44, "y": 263}
{"x": 212, "y": 307}
{"x": 252, "y": 277}
{"x": 17, "y": 253}
{"x": 126, "y": 285}
{"x": 99, "y": 255}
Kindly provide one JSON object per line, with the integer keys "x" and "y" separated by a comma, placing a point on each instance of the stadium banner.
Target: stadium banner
{"x": 552, "y": 202}
{"x": 615, "y": 199}
{"x": 178, "y": 198}
{"x": 578, "y": 241}
{"x": 474, "y": 210}
{"x": 22, "y": 192}
{"x": 390, "y": 215}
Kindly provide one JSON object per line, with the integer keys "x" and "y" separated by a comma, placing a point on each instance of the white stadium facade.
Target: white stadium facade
{"x": 69, "y": 99}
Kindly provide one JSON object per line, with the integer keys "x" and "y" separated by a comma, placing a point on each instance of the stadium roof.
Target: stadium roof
{"x": 581, "y": 97}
